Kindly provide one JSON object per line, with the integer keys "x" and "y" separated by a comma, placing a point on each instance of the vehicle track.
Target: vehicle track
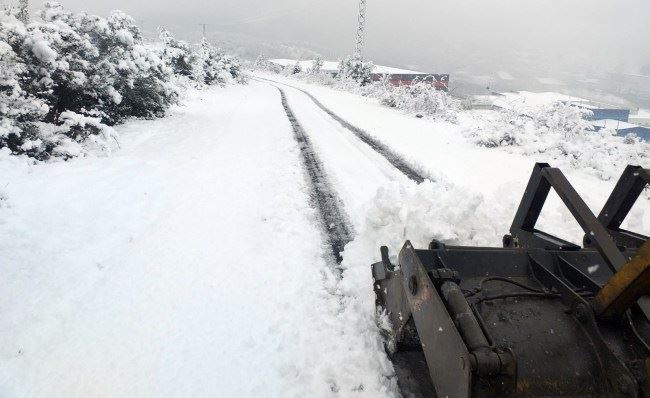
{"x": 335, "y": 222}
{"x": 393, "y": 158}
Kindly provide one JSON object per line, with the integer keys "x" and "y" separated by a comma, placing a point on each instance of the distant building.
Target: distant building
{"x": 603, "y": 112}
{"x": 395, "y": 76}
{"x": 439, "y": 81}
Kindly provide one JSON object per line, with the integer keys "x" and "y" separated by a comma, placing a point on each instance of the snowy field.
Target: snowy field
{"x": 191, "y": 262}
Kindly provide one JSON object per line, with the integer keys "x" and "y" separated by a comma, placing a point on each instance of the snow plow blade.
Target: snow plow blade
{"x": 540, "y": 316}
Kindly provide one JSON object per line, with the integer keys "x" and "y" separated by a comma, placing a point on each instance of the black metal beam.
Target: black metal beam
{"x": 626, "y": 192}
{"x": 524, "y": 234}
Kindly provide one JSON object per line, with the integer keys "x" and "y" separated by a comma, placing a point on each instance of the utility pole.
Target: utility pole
{"x": 358, "y": 50}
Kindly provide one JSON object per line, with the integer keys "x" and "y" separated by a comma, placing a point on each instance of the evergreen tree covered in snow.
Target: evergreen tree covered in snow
{"x": 352, "y": 67}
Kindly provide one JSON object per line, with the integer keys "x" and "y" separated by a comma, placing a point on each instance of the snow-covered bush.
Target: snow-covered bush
{"x": 177, "y": 54}
{"x": 202, "y": 64}
{"x": 316, "y": 65}
{"x": 558, "y": 133}
{"x": 296, "y": 68}
{"x": 19, "y": 110}
{"x": 420, "y": 98}
{"x": 216, "y": 67}
{"x": 352, "y": 67}
{"x": 87, "y": 65}
{"x": 262, "y": 63}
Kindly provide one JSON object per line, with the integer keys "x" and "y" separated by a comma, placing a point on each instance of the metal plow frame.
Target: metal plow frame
{"x": 558, "y": 319}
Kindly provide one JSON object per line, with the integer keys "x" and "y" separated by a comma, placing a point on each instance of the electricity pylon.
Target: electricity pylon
{"x": 358, "y": 50}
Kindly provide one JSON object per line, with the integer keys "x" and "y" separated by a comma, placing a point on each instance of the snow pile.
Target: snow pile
{"x": 418, "y": 213}
{"x": 561, "y": 133}
{"x": 422, "y": 212}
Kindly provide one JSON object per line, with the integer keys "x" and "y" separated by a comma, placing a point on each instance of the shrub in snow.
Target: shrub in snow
{"x": 296, "y": 68}
{"x": 90, "y": 66}
{"x": 202, "y": 65}
{"x": 263, "y": 63}
{"x": 23, "y": 11}
{"x": 560, "y": 134}
{"x": 176, "y": 54}
{"x": 420, "y": 98}
{"x": 353, "y": 67}
{"x": 316, "y": 65}
{"x": 19, "y": 110}
{"x": 216, "y": 67}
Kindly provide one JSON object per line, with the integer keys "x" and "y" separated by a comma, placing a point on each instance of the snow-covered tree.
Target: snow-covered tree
{"x": 261, "y": 62}
{"x": 352, "y": 67}
{"x": 316, "y": 65}
{"x": 296, "y": 68}
{"x": 23, "y": 11}
{"x": 216, "y": 67}
{"x": 176, "y": 54}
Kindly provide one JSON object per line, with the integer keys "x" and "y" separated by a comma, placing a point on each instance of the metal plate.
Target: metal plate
{"x": 444, "y": 349}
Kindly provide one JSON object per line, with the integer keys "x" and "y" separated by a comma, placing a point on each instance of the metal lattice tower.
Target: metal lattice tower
{"x": 358, "y": 51}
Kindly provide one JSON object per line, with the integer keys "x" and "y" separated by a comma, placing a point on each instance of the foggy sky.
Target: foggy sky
{"x": 536, "y": 37}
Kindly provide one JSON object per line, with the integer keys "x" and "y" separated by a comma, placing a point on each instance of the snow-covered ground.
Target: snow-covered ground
{"x": 191, "y": 262}
{"x": 497, "y": 176}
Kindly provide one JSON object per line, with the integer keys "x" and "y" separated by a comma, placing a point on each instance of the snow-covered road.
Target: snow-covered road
{"x": 190, "y": 263}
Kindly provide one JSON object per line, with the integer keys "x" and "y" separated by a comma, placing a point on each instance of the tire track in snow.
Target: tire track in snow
{"x": 393, "y": 158}
{"x": 335, "y": 222}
